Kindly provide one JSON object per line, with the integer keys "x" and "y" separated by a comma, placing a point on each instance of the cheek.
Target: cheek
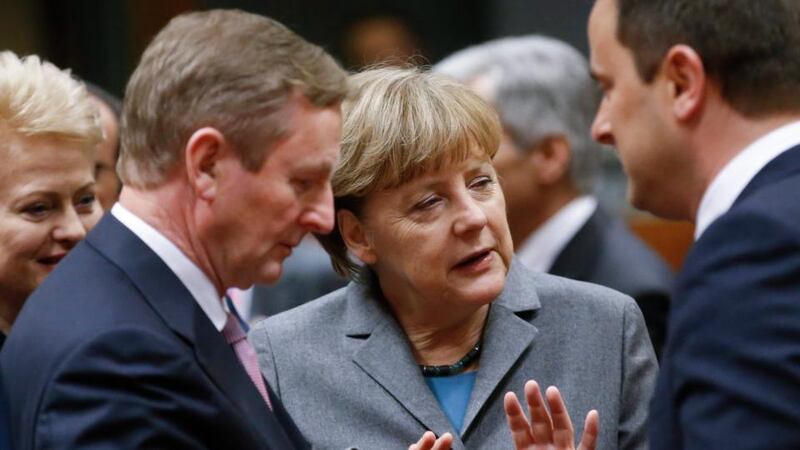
{"x": 21, "y": 240}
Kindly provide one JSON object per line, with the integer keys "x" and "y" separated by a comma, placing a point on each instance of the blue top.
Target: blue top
{"x": 453, "y": 394}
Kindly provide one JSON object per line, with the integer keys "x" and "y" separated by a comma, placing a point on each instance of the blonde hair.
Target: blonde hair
{"x": 227, "y": 69}
{"x": 398, "y": 124}
{"x": 39, "y": 99}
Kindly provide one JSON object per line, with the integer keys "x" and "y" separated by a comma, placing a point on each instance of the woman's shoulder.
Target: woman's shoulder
{"x": 311, "y": 317}
{"x": 555, "y": 294}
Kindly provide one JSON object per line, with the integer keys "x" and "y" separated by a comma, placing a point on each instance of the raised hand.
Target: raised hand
{"x": 546, "y": 431}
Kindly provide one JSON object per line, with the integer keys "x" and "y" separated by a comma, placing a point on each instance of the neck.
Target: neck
{"x": 728, "y": 133}
{"x": 526, "y": 218}
{"x": 168, "y": 209}
{"x": 437, "y": 345}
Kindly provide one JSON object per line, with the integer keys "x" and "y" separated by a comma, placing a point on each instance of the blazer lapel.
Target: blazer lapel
{"x": 386, "y": 357}
{"x": 172, "y": 301}
{"x": 506, "y": 338}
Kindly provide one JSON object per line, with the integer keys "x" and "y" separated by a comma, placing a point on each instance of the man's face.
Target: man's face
{"x": 633, "y": 116}
{"x": 105, "y": 168}
{"x": 260, "y": 216}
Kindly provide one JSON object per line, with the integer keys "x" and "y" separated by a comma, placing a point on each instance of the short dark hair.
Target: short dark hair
{"x": 750, "y": 47}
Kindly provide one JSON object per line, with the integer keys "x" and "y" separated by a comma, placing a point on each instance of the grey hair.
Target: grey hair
{"x": 541, "y": 87}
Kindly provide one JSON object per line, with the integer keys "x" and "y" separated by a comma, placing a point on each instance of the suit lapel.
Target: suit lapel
{"x": 506, "y": 339}
{"x": 170, "y": 299}
{"x": 579, "y": 257}
{"x": 385, "y": 356}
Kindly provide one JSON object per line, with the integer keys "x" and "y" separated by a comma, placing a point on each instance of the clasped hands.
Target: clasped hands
{"x": 544, "y": 431}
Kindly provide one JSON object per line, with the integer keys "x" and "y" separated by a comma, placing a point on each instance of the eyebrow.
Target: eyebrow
{"x": 323, "y": 167}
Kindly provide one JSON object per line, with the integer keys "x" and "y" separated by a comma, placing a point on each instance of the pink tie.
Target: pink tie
{"x": 235, "y": 336}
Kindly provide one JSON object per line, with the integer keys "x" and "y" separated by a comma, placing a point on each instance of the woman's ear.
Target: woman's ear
{"x": 355, "y": 236}
{"x": 202, "y": 156}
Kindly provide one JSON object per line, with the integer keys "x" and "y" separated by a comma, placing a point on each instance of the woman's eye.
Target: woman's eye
{"x": 482, "y": 182}
{"x": 428, "y": 203}
{"x": 36, "y": 210}
{"x": 86, "y": 200}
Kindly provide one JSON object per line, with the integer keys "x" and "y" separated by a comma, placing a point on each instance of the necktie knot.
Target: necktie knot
{"x": 233, "y": 331}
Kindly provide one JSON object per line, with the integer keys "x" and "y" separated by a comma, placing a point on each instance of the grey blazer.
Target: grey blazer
{"x": 344, "y": 370}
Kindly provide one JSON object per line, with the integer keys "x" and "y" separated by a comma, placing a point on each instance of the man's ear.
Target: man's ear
{"x": 204, "y": 152}
{"x": 550, "y": 159}
{"x": 355, "y": 236}
{"x": 686, "y": 78}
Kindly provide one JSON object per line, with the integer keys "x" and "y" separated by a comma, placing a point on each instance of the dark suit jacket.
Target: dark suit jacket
{"x": 112, "y": 351}
{"x": 5, "y": 433}
{"x": 605, "y": 252}
{"x": 730, "y": 377}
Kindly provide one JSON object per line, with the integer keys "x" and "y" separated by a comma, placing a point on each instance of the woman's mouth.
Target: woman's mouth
{"x": 475, "y": 261}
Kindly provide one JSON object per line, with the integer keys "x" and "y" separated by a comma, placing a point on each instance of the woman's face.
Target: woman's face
{"x": 441, "y": 240}
{"x": 47, "y": 204}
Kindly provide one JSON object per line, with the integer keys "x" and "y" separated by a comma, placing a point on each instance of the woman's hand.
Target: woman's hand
{"x": 543, "y": 431}
{"x": 428, "y": 441}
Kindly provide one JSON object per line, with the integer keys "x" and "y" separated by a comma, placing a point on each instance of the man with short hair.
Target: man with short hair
{"x": 700, "y": 98}
{"x": 548, "y": 166}
{"x": 230, "y": 132}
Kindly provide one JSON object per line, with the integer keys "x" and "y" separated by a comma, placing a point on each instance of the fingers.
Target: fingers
{"x": 428, "y": 441}
{"x": 425, "y": 442}
{"x": 591, "y": 428}
{"x": 444, "y": 442}
{"x": 517, "y": 422}
{"x": 562, "y": 425}
{"x": 541, "y": 424}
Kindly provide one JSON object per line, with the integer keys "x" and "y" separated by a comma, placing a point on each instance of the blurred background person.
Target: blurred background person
{"x": 440, "y": 321}
{"x": 50, "y": 132}
{"x": 107, "y": 183}
{"x": 379, "y": 36}
{"x": 548, "y": 166}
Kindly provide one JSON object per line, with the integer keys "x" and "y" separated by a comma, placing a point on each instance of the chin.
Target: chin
{"x": 270, "y": 273}
{"x": 483, "y": 291}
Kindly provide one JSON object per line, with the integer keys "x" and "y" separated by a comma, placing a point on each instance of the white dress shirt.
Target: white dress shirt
{"x": 198, "y": 284}
{"x": 739, "y": 171}
{"x": 542, "y": 247}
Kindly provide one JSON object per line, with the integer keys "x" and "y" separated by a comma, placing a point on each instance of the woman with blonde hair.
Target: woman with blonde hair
{"x": 49, "y": 131}
{"x": 440, "y": 321}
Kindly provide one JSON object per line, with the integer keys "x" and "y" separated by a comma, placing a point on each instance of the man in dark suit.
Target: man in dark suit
{"x": 549, "y": 165}
{"x": 701, "y": 101}
{"x": 229, "y": 135}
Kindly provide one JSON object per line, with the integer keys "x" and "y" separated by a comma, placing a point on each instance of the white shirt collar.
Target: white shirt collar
{"x": 542, "y": 247}
{"x": 198, "y": 284}
{"x": 739, "y": 171}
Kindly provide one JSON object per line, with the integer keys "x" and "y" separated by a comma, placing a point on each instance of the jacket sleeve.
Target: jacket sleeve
{"x": 638, "y": 379}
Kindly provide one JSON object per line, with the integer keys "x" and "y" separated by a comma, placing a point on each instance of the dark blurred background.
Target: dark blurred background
{"x": 101, "y": 40}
